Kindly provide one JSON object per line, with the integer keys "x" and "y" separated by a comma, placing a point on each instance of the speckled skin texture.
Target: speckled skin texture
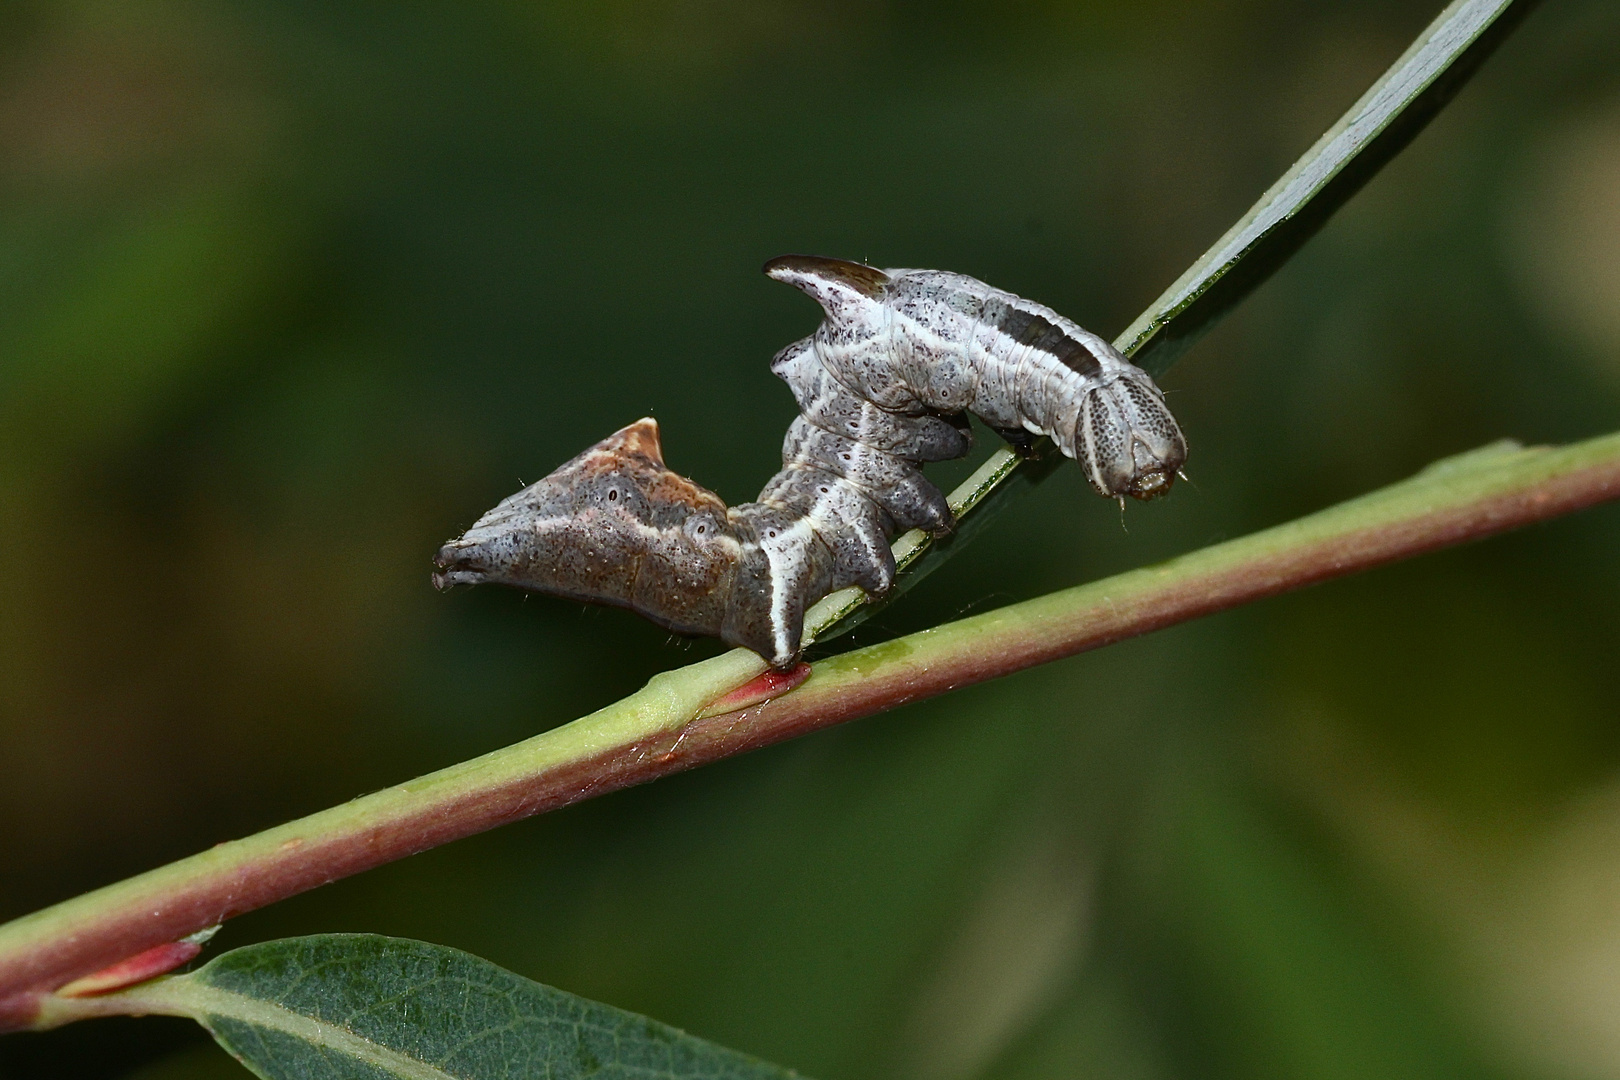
{"x": 882, "y": 385}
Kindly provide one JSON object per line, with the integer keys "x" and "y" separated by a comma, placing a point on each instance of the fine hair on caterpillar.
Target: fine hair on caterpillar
{"x": 884, "y": 385}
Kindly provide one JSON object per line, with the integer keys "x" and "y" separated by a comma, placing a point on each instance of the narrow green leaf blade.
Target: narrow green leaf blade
{"x": 1376, "y": 128}
{"x": 365, "y": 1007}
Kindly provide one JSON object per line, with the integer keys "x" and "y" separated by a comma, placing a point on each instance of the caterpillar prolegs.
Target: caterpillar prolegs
{"x": 883, "y": 386}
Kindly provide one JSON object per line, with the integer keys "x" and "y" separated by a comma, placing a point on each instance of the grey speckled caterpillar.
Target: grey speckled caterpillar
{"x": 882, "y": 385}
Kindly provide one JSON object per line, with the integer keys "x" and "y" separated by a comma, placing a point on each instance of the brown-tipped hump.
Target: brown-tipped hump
{"x": 640, "y": 437}
{"x": 811, "y": 270}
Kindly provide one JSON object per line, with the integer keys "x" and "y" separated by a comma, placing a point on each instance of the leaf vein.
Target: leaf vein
{"x": 324, "y": 1035}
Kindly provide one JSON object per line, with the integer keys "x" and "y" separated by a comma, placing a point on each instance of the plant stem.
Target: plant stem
{"x": 163, "y": 996}
{"x": 652, "y": 733}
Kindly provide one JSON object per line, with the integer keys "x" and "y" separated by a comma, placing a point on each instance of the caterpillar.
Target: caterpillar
{"x": 883, "y": 386}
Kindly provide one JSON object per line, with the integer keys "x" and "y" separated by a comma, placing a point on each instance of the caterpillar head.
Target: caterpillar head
{"x": 613, "y": 526}
{"x": 1127, "y": 440}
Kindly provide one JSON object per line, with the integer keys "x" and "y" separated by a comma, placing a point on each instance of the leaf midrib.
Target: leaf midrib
{"x": 205, "y": 1002}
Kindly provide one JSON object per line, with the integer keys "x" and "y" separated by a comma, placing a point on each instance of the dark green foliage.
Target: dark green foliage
{"x": 1391, "y": 114}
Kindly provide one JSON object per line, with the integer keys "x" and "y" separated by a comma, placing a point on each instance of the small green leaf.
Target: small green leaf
{"x": 365, "y": 1007}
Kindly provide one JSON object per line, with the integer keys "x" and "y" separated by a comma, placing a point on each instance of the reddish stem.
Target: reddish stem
{"x": 1420, "y": 516}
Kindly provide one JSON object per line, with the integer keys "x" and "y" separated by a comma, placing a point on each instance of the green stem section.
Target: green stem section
{"x": 652, "y": 733}
{"x": 105, "y": 926}
{"x": 167, "y": 995}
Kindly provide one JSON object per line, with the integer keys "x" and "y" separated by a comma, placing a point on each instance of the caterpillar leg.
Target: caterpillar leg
{"x": 1020, "y": 440}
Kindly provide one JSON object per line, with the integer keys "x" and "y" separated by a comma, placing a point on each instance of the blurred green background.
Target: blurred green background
{"x": 291, "y": 292}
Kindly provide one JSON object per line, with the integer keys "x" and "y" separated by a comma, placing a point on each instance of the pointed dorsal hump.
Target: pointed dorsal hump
{"x": 842, "y": 288}
{"x": 639, "y": 439}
